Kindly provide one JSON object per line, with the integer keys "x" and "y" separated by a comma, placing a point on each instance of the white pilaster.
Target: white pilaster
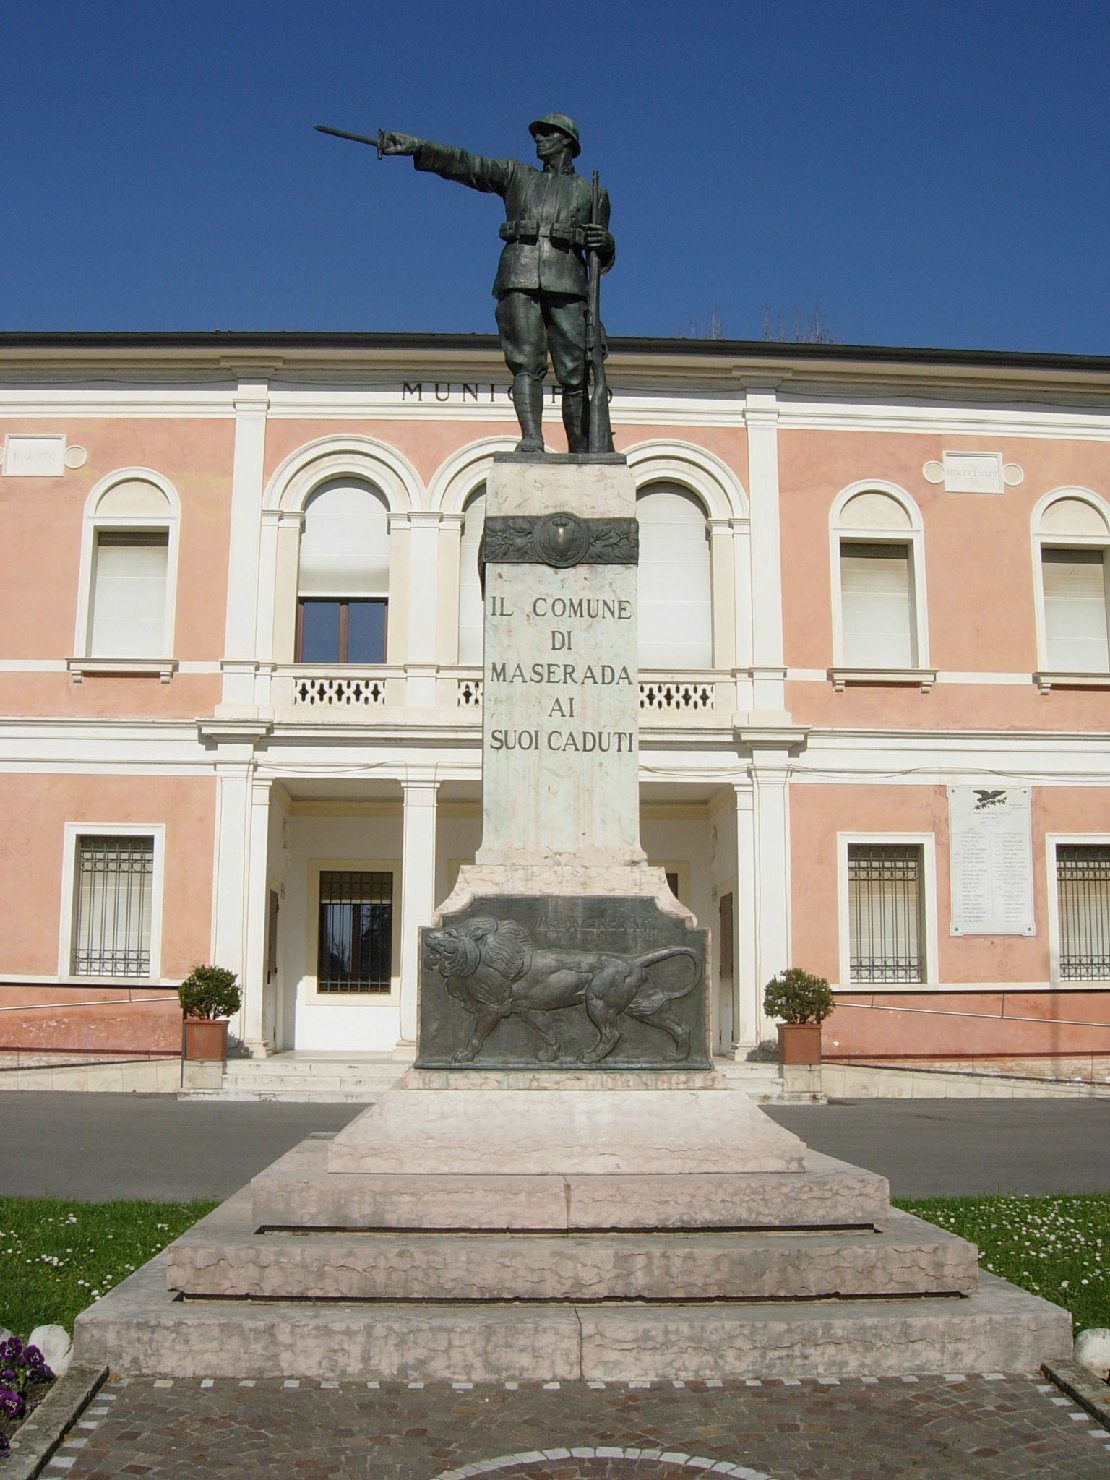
{"x": 423, "y": 585}
{"x": 749, "y": 989}
{"x": 742, "y": 606}
{"x": 449, "y": 555}
{"x": 769, "y": 770}
{"x": 239, "y": 867}
{"x": 768, "y": 673}
{"x": 248, "y": 467}
{"x": 723, "y": 587}
{"x": 253, "y": 972}
{"x": 418, "y": 866}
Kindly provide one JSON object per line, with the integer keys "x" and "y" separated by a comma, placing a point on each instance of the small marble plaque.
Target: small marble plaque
{"x": 34, "y": 457}
{"x": 973, "y": 472}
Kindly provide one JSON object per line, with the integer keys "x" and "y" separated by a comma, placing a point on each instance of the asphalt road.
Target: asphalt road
{"x": 93, "y": 1147}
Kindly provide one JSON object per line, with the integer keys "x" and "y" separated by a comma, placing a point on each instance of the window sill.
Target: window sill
{"x": 164, "y": 668}
{"x": 1057, "y": 680}
{"x": 920, "y": 678}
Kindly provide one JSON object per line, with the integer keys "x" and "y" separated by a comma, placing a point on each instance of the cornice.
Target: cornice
{"x": 730, "y": 366}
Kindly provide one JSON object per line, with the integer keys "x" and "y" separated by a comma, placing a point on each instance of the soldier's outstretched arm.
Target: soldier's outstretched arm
{"x": 472, "y": 170}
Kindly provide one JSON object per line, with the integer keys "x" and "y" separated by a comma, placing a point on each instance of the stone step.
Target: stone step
{"x": 141, "y": 1327}
{"x": 335, "y": 1078}
{"x": 907, "y": 1258}
{"x": 384, "y": 1072}
{"x": 297, "y": 1191}
{"x": 329, "y": 1078}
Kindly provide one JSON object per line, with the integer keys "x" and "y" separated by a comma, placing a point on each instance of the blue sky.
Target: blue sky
{"x": 931, "y": 174}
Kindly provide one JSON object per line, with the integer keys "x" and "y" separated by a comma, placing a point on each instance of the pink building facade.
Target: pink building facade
{"x": 241, "y": 681}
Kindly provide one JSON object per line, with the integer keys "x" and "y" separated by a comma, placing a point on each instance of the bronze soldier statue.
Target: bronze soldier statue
{"x": 551, "y": 227}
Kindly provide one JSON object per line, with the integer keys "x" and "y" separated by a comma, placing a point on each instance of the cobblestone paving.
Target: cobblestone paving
{"x": 953, "y": 1427}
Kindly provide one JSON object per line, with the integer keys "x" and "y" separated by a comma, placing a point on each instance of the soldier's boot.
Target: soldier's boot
{"x": 576, "y": 419}
{"x": 528, "y": 400}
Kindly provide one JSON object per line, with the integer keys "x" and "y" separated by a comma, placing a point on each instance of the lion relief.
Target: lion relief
{"x": 494, "y": 970}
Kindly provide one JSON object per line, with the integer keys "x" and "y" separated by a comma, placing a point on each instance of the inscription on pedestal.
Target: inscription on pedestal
{"x": 562, "y": 981}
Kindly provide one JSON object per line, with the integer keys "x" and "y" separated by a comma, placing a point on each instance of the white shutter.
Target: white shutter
{"x": 470, "y": 590}
{"x": 345, "y": 544}
{"x": 1075, "y": 611}
{"x": 129, "y": 594}
{"x": 675, "y": 595}
{"x": 876, "y": 606}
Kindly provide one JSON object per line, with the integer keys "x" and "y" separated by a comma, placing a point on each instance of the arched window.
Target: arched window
{"x": 1074, "y": 538}
{"x": 131, "y": 549}
{"x": 877, "y": 565}
{"x": 470, "y": 589}
{"x": 674, "y": 587}
{"x": 343, "y": 576}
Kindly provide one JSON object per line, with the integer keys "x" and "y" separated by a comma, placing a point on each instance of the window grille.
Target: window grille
{"x": 355, "y": 951}
{"x": 1083, "y": 895}
{"x": 884, "y": 912}
{"x": 114, "y": 887}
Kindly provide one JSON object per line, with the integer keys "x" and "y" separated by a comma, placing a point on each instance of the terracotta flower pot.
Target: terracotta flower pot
{"x": 799, "y": 1043}
{"x": 206, "y": 1039}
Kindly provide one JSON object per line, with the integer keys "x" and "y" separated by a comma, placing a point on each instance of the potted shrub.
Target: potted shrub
{"x": 803, "y": 1002}
{"x": 208, "y": 997}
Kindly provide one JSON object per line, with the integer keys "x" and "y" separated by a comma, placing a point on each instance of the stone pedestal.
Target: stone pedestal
{"x": 560, "y": 945}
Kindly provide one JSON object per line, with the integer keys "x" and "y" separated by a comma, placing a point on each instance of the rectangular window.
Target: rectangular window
{"x": 885, "y": 899}
{"x": 111, "y": 935}
{"x": 876, "y": 597}
{"x": 1076, "y": 639}
{"x": 128, "y": 616}
{"x": 1083, "y": 899}
{"x": 355, "y": 943}
{"x": 340, "y": 631}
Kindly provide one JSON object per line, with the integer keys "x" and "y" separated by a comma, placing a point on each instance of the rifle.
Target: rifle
{"x": 600, "y": 432}
{"x": 378, "y": 143}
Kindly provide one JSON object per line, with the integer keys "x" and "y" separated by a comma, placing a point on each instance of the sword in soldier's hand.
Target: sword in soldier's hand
{"x": 601, "y": 433}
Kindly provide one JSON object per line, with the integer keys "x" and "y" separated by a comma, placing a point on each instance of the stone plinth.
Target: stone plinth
{"x": 547, "y": 1132}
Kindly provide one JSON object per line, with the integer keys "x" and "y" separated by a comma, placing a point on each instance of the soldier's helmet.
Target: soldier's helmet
{"x": 564, "y": 124}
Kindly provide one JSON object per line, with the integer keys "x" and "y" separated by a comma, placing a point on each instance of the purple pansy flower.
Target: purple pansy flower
{"x": 11, "y": 1403}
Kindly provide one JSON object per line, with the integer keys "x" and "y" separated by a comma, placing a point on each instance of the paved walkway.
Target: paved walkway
{"x": 951, "y": 1428}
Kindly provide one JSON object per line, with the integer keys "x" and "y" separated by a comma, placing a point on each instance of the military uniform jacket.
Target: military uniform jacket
{"x": 545, "y": 213}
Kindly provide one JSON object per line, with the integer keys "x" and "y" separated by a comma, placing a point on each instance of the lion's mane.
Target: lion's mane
{"x": 488, "y": 956}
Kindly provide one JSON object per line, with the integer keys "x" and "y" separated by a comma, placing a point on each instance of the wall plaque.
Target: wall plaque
{"x": 991, "y": 860}
{"x": 34, "y": 457}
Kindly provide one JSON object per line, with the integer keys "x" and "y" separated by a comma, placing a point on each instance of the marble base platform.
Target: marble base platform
{"x": 642, "y": 1258}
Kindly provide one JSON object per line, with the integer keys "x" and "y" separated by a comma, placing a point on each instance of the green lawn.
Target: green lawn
{"x": 1057, "y": 1247}
{"x": 58, "y": 1257}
